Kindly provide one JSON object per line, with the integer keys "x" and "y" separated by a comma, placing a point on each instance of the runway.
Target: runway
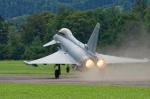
{"x": 68, "y": 80}
{"x": 136, "y": 75}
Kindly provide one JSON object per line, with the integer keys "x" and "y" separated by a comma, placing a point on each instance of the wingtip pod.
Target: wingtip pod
{"x": 26, "y": 62}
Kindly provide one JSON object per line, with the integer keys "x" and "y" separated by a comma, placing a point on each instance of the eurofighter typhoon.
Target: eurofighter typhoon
{"x": 82, "y": 56}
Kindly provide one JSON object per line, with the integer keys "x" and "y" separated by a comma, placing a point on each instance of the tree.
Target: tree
{"x": 147, "y": 17}
{"x": 3, "y": 31}
{"x": 139, "y": 8}
{"x": 112, "y": 22}
{"x": 62, "y": 13}
{"x": 35, "y": 50}
{"x": 80, "y": 24}
{"x": 38, "y": 25}
{"x": 15, "y": 47}
{"x": 3, "y": 37}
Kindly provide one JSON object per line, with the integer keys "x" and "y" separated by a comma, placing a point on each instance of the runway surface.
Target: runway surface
{"x": 68, "y": 80}
{"x": 137, "y": 75}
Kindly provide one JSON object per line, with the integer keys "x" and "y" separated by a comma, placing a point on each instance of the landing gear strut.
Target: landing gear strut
{"x": 67, "y": 69}
{"x": 57, "y": 71}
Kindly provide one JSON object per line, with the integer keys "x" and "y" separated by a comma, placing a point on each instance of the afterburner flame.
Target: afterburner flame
{"x": 101, "y": 63}
{"x": 89, "y": 63}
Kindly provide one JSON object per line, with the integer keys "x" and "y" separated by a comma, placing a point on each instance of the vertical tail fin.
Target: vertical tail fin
{"x": 92, "y": 43}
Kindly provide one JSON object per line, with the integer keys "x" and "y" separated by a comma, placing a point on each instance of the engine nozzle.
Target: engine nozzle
{"x": 101, "y": 63}
{"x": 89, "y": 63}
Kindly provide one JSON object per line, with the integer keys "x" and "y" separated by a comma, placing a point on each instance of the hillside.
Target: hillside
{"x": 14, "y": 8}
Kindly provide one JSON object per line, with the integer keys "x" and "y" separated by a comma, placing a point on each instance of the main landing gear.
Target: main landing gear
{"x": 67, "y": 69}
{"x": 57, "y": 69}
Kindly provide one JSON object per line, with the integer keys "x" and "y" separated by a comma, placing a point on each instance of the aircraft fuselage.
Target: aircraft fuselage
{"x": 79, "y": 53}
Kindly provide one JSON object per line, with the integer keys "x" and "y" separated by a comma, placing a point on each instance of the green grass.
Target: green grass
{"x": 18, "y": 67}
{"x": 61, "y": 91}
{"x": 64, "y": 91}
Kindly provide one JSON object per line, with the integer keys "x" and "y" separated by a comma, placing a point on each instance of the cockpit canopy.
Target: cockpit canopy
{"x": 68, "y": 34}
{"x": 65, "y": 32}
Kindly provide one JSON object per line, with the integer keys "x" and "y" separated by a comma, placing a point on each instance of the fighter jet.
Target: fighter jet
{"x": 74, "y": 52}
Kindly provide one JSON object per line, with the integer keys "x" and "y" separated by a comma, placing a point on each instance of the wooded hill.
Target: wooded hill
{"x": 14, "y": 8}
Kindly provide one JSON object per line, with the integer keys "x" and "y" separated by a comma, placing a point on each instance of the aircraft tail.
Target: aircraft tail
{"x": 92, "y": 43}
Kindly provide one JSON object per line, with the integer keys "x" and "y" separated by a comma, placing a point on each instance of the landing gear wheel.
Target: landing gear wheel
{"x": 67, "y": 69}
{"x": 57, "y": 71}
{"x": 57, "y": 74}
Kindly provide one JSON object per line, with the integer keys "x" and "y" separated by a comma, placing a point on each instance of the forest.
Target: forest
{"x": 23, "y": 39}
{"x": 14, "y": 8}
